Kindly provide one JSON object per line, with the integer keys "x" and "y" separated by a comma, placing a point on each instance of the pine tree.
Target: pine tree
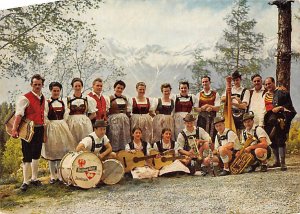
{"x": 240, "y": 46}
{"x": 199, "y": 69}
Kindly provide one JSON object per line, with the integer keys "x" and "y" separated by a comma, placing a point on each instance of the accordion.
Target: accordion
{"x": 26, "y": 127}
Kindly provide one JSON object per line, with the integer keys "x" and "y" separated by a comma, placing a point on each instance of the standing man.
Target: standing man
{"x": 240, "y": 99}
{"x": 280, "y": 112}
{"x": 208, "y": 105}
{"x": 31, "y": 106}
{"x": 257, "y": 100}
{"x": 102, "y": 102}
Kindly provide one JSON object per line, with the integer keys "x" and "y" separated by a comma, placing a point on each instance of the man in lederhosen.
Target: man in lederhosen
{"x": 280, "y": 112}
{"x": 97, "y": 142}
{"x": 31, "y": 106}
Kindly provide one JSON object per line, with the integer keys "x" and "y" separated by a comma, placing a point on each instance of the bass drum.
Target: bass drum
{"x": 82, "y": 169}
{"x": 113, "y": 171}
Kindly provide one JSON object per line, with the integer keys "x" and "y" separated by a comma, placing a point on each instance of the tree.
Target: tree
{"x": 283, "y": 69}
{"x": 240, "y": 46}
{"x": 199, "y": 69}
{"x": 5, "y": 110}
{"x": 25, "y": 32}
{"x": 80, "y": 56}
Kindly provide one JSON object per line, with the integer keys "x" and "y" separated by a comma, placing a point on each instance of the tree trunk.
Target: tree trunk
{"x": 283, "y": 69}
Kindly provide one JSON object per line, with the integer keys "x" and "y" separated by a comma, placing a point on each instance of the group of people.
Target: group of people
{"x": 185, "y": 123}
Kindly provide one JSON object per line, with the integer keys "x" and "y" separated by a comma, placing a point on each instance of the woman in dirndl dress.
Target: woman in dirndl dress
{"x": 142, "y": 112}
{"x": 184, "y": 103}
{"x": 58, "y": 138}
{"x": 118, "y": 120}
{"x": 167, "y": 145}
{"x": 137, "y": 144}
{"x": 164, "y": 109}
{"x": 79, "y": 107}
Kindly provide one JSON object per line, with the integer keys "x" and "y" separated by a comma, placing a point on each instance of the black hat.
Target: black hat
{"x": 189, "y": 118}
{"x": 248, "y": 115}
{"x": 219, "y": 120}
{"x": 236, "y": 74}
{"x": 100, "y": 123}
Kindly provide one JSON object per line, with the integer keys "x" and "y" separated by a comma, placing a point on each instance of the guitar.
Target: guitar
{"x": 131, "y": 160}
{"x": 165, "y": 160}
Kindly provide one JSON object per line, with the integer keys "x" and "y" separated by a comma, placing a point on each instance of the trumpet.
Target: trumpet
{"x": 193, "y": 144}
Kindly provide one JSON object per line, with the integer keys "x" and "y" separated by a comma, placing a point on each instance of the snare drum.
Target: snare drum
{"x": 113, "y": 171}
{"x": 82, "y": 169}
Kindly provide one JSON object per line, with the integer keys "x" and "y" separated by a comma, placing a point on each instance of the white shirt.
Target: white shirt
{"x": 239, "y": 90}
{"x": 203, "y": 135}
{"x": 260, "y": 134}
{"x": 87, "y": 142}
{"x": 257, "y": 105}
{"x": 231, "y": 138}
{"x": 22, "y": 103}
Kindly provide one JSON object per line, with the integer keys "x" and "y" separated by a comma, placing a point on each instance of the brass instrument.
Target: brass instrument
{"x": 194, "y": 146}
{"x": 244, "y": 159}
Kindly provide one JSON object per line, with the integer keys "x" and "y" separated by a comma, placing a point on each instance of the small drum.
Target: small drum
{"x": 82, "y": 169}
{"x": 113, "y": 171}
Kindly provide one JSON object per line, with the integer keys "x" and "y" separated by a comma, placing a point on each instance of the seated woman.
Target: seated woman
{"x": 97, "y": 142}
{"x": 138, "y": 145}
{"x": 168, "y": 146}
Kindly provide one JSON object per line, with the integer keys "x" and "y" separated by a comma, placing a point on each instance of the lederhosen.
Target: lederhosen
{"x": 164, "y": 109}
{"x": 159, "y": 145}
{"x": 34, "y": 112}
{"x": 205, "y": 119}
{"x": 98, "y": 145}
{"x": 238, "y": 113}
{"x": 101, "y": 106}
{"x": 225, "y": 137}
{"x": 144, "y": 144}
{"x": 269, "y": 152}
{"x": 183, "y": 106}
{"x": 140, "y": 108}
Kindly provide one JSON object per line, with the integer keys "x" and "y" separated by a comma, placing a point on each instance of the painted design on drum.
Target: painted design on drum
{"x": 81, "y": 162}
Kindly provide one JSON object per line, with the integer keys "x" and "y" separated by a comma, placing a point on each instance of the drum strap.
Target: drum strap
{"x": 94, "y": 144}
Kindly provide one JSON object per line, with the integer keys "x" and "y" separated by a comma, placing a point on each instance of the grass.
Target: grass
{"x": 11, "y": 196}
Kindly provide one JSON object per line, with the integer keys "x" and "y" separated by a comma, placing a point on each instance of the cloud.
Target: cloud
{"x": 166, "y": 23}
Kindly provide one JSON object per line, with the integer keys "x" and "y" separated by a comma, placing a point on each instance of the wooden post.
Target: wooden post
{"x": 283, "y": 69}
